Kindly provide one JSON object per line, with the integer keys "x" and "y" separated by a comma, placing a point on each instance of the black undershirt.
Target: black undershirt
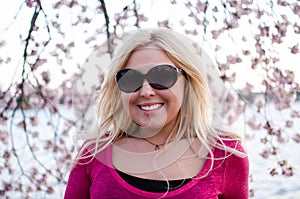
{"x": 156, "y": 186}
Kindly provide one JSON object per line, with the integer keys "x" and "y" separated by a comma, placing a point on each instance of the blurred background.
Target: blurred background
{"x": 52, "y": 58}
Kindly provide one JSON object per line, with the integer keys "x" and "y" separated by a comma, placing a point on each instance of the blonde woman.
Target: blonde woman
{"x": 157, "y": 135}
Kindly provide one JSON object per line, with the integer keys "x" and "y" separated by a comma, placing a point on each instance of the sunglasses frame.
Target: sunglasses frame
{"x": 118, "y": 76}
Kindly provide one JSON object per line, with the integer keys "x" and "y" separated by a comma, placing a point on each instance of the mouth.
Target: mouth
{"x": 151, "y": 107}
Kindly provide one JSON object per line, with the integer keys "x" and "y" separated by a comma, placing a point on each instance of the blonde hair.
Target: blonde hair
{"x": 195, "y": 117}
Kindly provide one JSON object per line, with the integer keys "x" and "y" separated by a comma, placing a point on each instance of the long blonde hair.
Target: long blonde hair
{"x": 196, "y": 114}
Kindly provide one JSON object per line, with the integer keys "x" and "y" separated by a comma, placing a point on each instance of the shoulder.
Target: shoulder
{"x": 93, "y": 154}
{"x": 229, "y": 146}
{"x": 236, "y": 170}
{"x": 233, "y": 143}
{"x": 232, "y": 155}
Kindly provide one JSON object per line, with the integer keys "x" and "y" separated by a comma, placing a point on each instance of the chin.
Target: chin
{"x": 152, "y": 127}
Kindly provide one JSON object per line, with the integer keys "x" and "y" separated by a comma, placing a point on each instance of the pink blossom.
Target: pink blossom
{"x": 264, "y": 31}
{"x": 248, "y": 88}
{"x": 33, "y": 121}
{"x": 289, "y": 123}
{"x": 8, "y": 60}
{"x": 191, "y": 32}
{"x": 282, "y": 29}
{"x": 246, "y": 11}
{"x": 284, "y": 100}
{"x": 224, "y": 67}
{"x": 2, "y": 43}
{"x": 216, "y": 33}
{"x": 295, "y": 49}
{"x": 164, "y": 23}
{"x": 273, "y": 172}
{"x": 21, "y": 124}
{"x": 295, "y": 114}
{"x": 215, "y": 9}
{"x": 286, "y": 169}
{"x": 296, "y": 9}
{"x": 254, "y": 123}
{"x": 49, "y": 144}
{"x": 57, "y": 5}
{"x": 296, "y": 138}
{"x": 265, "y": 154}
{"x": 39, "y": 63}
{"x": 55, "y": 24}
{"x": 247, "y": 2}
{"x": 35, "y": 134}
{"x": 259, "y": 49}
{"x": 31, "y": 3}
{"x": 202, "y": 6}
{"x": 246, "y": 52}
{"x": 46, "y": 76}
{"x": 276, "y": 39}
{"x": 289, "y": 77}
{"x": 34, "y": 101}
{"x": 4, "y": 137}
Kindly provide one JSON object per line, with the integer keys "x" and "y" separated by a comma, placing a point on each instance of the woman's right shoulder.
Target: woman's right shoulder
{"x": 92, "y": 153}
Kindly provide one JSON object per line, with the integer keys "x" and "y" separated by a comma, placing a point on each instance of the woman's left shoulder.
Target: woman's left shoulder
{"x": 234, "y": 143}
{"x": 230, "y": 145}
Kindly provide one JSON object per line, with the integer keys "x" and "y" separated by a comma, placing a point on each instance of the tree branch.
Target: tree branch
{"x": 107, "y": 22}
{"x": 136, "y": 14}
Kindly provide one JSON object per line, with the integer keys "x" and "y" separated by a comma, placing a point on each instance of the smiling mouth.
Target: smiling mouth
{"x": 150, "y": 107}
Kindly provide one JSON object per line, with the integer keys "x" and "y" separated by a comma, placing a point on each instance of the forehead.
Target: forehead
{"x": 147, "y": 56}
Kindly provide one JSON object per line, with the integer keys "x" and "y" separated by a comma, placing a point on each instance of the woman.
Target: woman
{"x": 155, "y": 136}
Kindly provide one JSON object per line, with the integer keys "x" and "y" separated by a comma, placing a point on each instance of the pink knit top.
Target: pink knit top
{"x": 98, "y": 179}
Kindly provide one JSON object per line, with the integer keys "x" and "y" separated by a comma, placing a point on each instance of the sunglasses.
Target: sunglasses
{"x": 159, "y": 77}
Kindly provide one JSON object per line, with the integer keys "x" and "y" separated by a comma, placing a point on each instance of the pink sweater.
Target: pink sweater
{"x": 228, "y": 179}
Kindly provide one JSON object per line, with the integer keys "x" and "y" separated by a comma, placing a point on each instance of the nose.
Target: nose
{"x": 146, "y": 90}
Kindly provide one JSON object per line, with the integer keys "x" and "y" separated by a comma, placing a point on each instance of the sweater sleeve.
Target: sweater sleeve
{"x": 78, "y": 183}
{"x": 236, "y": 176}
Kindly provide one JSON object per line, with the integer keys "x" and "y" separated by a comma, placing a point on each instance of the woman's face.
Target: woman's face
{"x": 149, "y": 107}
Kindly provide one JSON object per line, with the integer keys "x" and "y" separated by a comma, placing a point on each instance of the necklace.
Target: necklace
{"x": 157, "y": 146}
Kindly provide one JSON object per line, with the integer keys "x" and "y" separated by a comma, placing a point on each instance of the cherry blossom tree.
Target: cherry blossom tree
{"x": 47, "y": 100}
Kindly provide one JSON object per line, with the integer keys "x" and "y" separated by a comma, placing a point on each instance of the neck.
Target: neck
{"x": 157, "y": 138}
{"x": 157, "y": 146}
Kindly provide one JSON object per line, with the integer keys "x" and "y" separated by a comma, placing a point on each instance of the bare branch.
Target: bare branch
{"x": 107, "y": 23}
{"x": 136, "y": 14}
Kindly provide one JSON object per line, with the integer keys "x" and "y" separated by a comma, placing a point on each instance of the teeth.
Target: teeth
{"x": 152, "y": 107}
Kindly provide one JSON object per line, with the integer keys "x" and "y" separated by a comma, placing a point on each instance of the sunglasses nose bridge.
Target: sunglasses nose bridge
{"x": 145, "y": 81}
{"x": 146, "y": 84}
{"x": 146, "y": 89}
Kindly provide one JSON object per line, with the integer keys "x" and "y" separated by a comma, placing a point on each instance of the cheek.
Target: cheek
{"x": 127, "y": 100}
{"x": 178, "y": 91}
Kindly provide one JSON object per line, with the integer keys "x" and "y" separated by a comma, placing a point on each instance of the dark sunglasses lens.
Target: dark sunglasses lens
{"x": 162, "y": 77}
{"x": 129, "y": 80}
